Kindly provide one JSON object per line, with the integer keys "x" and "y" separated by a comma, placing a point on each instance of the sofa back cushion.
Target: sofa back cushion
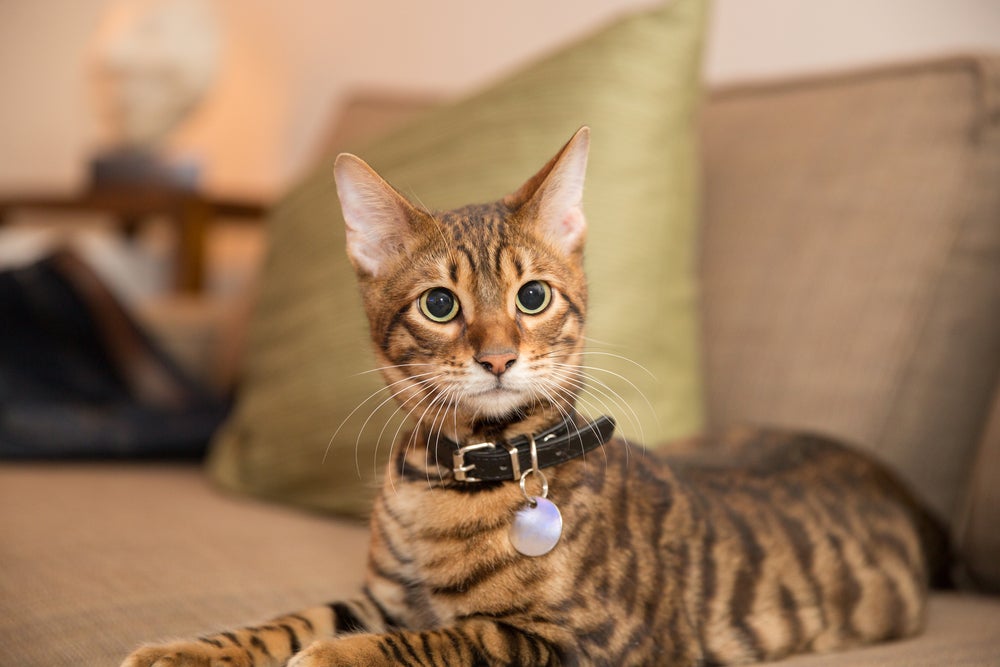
{"x": 851, "y": 262}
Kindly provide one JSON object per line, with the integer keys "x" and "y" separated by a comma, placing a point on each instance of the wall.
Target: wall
{"x": 284, "y": 71}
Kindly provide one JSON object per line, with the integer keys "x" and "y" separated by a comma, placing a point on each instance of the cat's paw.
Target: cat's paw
{"x": 188, "y": 654}
{"x": 350, "y": 651}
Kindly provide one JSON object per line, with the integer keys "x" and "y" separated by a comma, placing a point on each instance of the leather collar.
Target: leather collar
{"x": 505, "y": 461}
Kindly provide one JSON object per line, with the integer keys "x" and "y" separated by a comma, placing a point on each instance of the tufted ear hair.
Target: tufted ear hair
{"x": 380, "y": 221}
{"x": 552, "y": 199}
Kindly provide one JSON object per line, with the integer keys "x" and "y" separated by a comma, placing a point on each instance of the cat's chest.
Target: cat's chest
{"x": 442, "y": 523}
{"x": 456, "y": 549}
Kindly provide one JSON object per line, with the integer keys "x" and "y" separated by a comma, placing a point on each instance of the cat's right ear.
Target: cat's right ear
{"x": 379, "y": 220}
{"x": 553, "y": 197}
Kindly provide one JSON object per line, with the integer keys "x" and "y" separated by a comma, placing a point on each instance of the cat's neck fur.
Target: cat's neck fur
{"x": 529, "y": 421}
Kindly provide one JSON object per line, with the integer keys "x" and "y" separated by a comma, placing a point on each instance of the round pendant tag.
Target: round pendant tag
{"x": 536, "y": 530}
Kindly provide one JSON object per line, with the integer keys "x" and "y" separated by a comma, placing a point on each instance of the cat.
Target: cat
{"x": 494, "y": 542}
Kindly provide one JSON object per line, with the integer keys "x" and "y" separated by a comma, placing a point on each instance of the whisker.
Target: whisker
{"x": 440, "y": 397}
{"x": 371, "y": 396}
{"x": 424, "y": 395}
{"x": 562, "y": 391}
{"x": 448, "y": 406}
{"x": 621, "y": 377}
{"x": 442, "y": 400}
{"x": 591, "y": 352}
{"x": 587, "y": 385}
{"x": 389, "y": 367}
{"x": 402, "y": 423}
{"x": 622, "y": 358}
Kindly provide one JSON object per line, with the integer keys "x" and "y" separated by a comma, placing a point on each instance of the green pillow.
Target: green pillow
{"x": 293, "y": 436}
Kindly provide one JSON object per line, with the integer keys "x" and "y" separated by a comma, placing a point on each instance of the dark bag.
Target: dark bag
{"x": 79, "y": 378}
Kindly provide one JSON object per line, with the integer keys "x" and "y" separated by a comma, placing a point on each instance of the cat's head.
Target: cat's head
{"x": 476, "y": 314}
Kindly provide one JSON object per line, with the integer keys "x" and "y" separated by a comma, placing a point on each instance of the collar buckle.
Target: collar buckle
{"x": 460, "y": 468}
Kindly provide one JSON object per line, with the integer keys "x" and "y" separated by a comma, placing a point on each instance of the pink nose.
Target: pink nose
{"x": 497, "y": 362}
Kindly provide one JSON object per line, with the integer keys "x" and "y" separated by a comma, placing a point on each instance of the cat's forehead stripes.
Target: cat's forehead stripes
{"x": 482, "y": 249}
{"x": 476, "y": 231}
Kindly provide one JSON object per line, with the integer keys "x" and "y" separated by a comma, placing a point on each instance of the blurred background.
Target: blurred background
{"x": 219, "y": 105}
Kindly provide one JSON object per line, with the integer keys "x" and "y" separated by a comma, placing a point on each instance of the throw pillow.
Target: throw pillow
{"x": 309, "y": 425}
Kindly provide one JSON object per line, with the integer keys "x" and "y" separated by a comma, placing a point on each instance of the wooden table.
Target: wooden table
{"x": 190, "y": 211}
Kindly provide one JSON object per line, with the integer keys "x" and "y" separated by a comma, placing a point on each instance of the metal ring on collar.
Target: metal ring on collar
{"x": 536, "y": 470}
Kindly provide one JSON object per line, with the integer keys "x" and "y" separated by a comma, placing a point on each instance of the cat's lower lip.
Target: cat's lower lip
{"x": 497, "y": 400}
{"x": 493, "y": 393}
{"x": 497, "y": 391}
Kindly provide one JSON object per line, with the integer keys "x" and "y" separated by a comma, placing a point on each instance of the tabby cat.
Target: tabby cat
{"x": 495, "y": 542}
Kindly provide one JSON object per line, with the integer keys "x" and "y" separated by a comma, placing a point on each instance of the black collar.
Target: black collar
{"x": 502, "y": 461}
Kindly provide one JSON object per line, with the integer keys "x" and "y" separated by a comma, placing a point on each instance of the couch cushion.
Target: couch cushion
{"x": 850, "y": 261}
{"x": 636, "y": 84}
{"x": 96, "y": 559}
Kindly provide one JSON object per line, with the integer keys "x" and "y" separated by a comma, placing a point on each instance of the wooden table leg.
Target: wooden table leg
{"x": 193, "y": 222}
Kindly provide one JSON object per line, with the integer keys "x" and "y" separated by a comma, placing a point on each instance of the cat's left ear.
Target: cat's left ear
{"x": 553, "y": 197}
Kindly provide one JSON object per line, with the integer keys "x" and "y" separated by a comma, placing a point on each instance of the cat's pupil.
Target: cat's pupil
{"x": 533, "y": 297}
{"x": 439, "y": 304}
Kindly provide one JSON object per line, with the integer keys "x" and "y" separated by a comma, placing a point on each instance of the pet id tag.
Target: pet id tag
{"x": 538, "y": 526}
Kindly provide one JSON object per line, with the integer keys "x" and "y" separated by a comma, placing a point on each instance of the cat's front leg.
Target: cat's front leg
{"x": 269, "y": 645}
{"x": 471, "y": 642}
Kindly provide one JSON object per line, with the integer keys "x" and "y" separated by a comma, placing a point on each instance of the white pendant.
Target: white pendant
{"x": 536, "y": 529}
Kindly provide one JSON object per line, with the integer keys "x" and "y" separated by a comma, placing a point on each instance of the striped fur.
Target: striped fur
{"x": 757, "y": 545}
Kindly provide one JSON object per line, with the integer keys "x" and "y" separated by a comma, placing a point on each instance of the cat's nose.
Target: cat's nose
{"x": 497, "y": 362}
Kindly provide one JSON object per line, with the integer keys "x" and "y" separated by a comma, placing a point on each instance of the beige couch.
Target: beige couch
{"x": 850, "y": 282}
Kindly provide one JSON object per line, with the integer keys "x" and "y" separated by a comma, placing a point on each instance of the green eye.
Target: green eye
{"x": 438, "y": 305}
{"x": 533, "y": 297}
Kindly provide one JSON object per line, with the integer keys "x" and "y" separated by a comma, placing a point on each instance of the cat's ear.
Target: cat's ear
{"x": 553, "y": 198}
{"x": 379, "y": 220}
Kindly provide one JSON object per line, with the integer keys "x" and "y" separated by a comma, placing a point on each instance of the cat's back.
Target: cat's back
{"x": 790, "y": 470}
{"x": 750, "y": 460}
{"x": 801, "y": 544}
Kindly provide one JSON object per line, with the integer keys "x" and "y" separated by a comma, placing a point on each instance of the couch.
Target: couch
{"x": 849, "y": 282}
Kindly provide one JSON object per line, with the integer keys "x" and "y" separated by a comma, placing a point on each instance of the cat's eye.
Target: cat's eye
{"x": 533, "y": 297}
{"x": 439, "y": 305}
